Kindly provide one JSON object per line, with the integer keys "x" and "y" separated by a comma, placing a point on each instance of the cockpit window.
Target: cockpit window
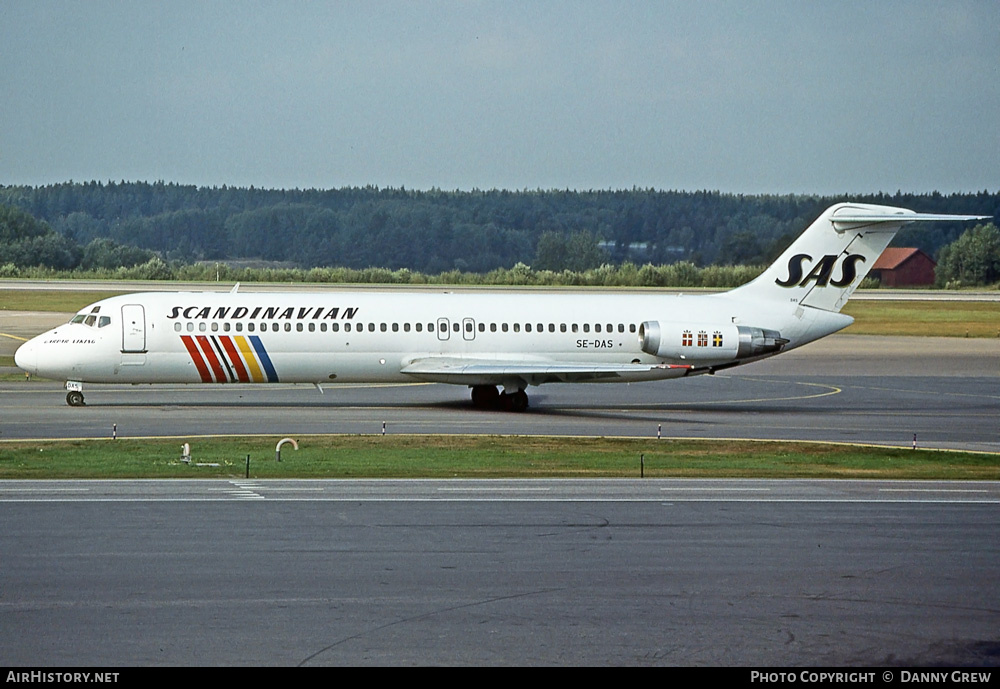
{"x": 78, "y": 318}
{"x": 90, "y": 321}
{"x": 103, "y": 321}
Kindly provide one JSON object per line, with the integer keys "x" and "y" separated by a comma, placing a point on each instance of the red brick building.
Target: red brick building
{"x": 898, "y": 267}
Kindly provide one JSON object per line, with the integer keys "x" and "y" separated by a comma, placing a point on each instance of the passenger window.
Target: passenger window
{"x": 177, "y": 327}
{"x": 312, "y": 327}
{"x": 493, "y": 327}
{"x": 371, "y": 327}
{"x": 586, "y": 327}
{"x": 517, "y": 327}
{"x": 597, "y": 328}
{"x": 576, "y": 328}
{"x": 562, "y": 327}
{"x": 226, "y": 326}
{"x": 383, "y": 327}
{"x": 190, "y": 327}
{"x": 406, "y": 327}
{"x": 250, "y": 327}
{"x": 503, "y": 326}
{"x": 395, "y": 327}
{"x": 202, "y": 327}
{"x": 215, "y": 327}
{"x": 527, "y": 327}
{"x": 298, "y": 327}
{"x": 239, "y": 327}
{"x": 288, "y": 327}
{"x": 419, "y": 327}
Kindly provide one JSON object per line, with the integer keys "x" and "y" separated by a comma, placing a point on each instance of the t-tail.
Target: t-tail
{"x": 823, "y": 267}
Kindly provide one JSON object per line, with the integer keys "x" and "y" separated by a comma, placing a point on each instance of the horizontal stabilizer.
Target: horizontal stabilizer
{"x": 852, "y": 219}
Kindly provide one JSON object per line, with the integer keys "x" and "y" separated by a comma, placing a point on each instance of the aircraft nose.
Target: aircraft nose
{"x": 26, "y": 357}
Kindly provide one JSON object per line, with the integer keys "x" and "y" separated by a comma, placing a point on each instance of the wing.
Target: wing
{"x": 473, "y": 371}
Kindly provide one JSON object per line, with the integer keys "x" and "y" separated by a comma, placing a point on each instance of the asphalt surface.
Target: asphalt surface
{"x": 882, "y": 390}
{"x": 635, "y": 573}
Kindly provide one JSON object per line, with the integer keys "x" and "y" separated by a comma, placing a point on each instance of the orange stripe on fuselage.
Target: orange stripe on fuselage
{"x": 250, "y": 357}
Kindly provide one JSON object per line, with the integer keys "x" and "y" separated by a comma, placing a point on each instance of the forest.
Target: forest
{"x": 110, "y": 224}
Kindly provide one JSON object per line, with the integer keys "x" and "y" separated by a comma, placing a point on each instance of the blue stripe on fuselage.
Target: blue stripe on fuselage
{"x": 265, "y": 360}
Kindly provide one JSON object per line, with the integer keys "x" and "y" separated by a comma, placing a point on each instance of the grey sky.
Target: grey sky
{"x": 746, "y": 97}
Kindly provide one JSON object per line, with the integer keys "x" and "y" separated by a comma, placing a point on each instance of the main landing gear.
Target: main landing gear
{"x": 488, "y": 397}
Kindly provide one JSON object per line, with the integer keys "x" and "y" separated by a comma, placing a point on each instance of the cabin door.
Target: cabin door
{"x": 133, "y": 329}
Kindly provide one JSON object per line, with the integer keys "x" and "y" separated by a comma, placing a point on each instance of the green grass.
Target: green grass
{"x": 50, "y": 300}
{"x": 405, "y": 456}
{"x": 926, "y": 318}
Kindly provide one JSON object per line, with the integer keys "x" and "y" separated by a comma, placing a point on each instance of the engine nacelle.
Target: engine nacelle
{"x": 705, "y": 342}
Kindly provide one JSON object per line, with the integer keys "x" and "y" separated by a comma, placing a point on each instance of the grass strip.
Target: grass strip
{"x": 925, "y": 318}
{"x": 57, "y": 301}
{"x": 441, "y": 456}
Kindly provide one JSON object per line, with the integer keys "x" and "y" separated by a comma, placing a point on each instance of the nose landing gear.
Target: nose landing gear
{"x": 74, "y": 396}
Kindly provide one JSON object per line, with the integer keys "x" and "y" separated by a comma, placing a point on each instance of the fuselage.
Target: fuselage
{"x": 352, "y": 336}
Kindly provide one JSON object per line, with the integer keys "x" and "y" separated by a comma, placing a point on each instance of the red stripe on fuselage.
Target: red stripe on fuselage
{"x": 213, "y": 361}
{"x": 199, "y": 363}
{"x": 234, "y": 357}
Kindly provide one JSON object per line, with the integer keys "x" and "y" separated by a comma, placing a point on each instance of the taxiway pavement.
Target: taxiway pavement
{"x": 865, "y": 389}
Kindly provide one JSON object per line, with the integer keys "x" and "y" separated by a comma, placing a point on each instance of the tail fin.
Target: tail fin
{"x": 828, "y": 261}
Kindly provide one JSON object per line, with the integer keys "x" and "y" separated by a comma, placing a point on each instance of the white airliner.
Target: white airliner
{"x": 480, "y": 340}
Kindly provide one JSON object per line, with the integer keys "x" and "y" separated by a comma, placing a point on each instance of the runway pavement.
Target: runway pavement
{"x": 639, "y": 573}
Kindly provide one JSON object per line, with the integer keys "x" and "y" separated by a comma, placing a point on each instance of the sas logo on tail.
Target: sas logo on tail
{"x": 821, "y": 272}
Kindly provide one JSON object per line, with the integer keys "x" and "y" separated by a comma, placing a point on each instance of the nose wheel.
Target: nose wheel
{"x": 74, "y": 398}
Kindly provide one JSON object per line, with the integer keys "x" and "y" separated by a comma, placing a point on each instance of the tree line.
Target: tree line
{"x": 106, "y": 226}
